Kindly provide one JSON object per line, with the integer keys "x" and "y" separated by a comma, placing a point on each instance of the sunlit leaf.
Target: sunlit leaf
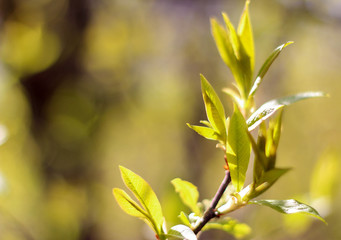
{"x": 260, "y": 160}
{"x": 184, "y": 219}
{"x": 144, "y": 193}
{"x": 267, "y": 179}
{"x": 206, "y": 132}
{"x": 232, "y": 226}
{"x": 238, "y": 149}
{"x": 234, "y": 95}
{"x": 224, "y": 46}
{"x": 181, "y": 232}
{"x": 234, "y": 39}
{"x": 245, "y": 34}
{"x": 289, "y": 207}
{"x": 188, "y": 193}
{"x": 214, "y": 108}
{"x": 266, "y": 65}
{"x": 130, "y": 206}
{"x": 269, "y": 108}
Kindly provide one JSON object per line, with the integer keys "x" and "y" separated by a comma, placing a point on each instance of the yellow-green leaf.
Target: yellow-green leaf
{"x": 245, "y": 34}
{"x": 146, "y": 196}
{"x": 238, "y": 149}
{"x": 206, "y": 132}
{"x": 264, "y": 69}
{"x": 130, "y": 206}
{"x": 188, "y": 193}
{"x": 214, "y": 108}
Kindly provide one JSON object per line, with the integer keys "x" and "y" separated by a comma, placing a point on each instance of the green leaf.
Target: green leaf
{"x": 232, "y": 226}
{"x": 206, "y": 132}
{"x": 234, "y": 95}
{"x": 181, "y": 232}
{"x": 238, "y": 149}
{"x": 289, "y": 207}
{"x": 214, "y": 108}
{"x": 184, "y": 219}
{"x": 245, "y": 34}
{"x": 269, "y": 108}
{"x": 267, "y": 179}
{"x": 264, "y": 69}
{"x": 146, "y": 196}
{"x": 259, "y": 160}
{"x": 224, "y": 46}
{"x": 188, "y": 193}
{"x": 130, "y": 206}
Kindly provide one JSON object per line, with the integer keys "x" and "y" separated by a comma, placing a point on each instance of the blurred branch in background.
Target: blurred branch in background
{"x": 87, "y": 85}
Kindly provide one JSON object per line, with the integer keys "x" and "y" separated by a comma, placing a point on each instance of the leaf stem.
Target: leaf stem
{"x": 211, "y": 211}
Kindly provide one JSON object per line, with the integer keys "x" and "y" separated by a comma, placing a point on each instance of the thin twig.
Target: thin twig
{"x": 211, "y": 211}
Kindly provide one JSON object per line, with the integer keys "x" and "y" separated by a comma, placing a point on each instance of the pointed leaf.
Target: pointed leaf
{"x": 188, "y": 193}
{"x": 181, "y": 232}
{"x": 264, "y": 69}
{"x": 269, "y": 108}
{"x": 289, "y": 206}
{"x": 238, "y": 149}
{"x": 206, "y": 132}
{"x": 232, "y": 226}
{"x": 224, "y": 46}
{"x": 214, "y": 108}
{"x": 130, "y": 206}
{"x": 245, "y": 34}
{"x": 144, "y": 193}
{"x": 260, "y": 160}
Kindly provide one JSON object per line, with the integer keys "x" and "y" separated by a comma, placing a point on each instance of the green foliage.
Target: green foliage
{"x": 238, "y": 149}
{"x": 234, "y": 137}
{"x": 289, "y": 207}
{"x": 151, "y": 212}
{"x": 188, "y": 193}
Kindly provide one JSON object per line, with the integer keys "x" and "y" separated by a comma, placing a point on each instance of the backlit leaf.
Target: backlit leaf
{"x": 289, "y": 207}
{"x": 206, "y": 132}
{"x": 144, "y": 193}
{"x": 266, "y": 65}
{"x": 130, "y": 206}
{"x": 224, "y": 46}
{"x": 269, "y": 108}
{"x": 188, "y": 193}
{"x": 245, "y": 34}
{"x": 214, "y": 108}
{"x": 238, "y": 149}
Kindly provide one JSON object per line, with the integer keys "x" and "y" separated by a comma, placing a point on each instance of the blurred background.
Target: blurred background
{"x": 87, "y": 85}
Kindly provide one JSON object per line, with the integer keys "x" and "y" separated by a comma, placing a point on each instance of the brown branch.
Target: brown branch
{"x": 211, "y": 211}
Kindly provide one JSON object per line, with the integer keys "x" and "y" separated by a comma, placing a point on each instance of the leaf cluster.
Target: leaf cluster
{"x": 234, "y": 135}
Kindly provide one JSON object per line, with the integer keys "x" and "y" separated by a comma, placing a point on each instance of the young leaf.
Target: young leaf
{"x": 144, "y": 193}
{"x": 184, "y": 219}
{"x": 188, "y": 193}
{"x": 289, "y": 206}
{"x": 245, "y": 34}
{"x": 130, "y": 206}
{"x": 238, "y": 149}
{"x": 206, "y": 132}
{"x": 224, "y": 46}
{"x": 264, "y": 69}
{"x": 181, "y": 232}
{"x": 269, "y": 108}
{"x": 214, "y": 108}
{"x": 260, "y": 160}
{"x": 232, "y": 226}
